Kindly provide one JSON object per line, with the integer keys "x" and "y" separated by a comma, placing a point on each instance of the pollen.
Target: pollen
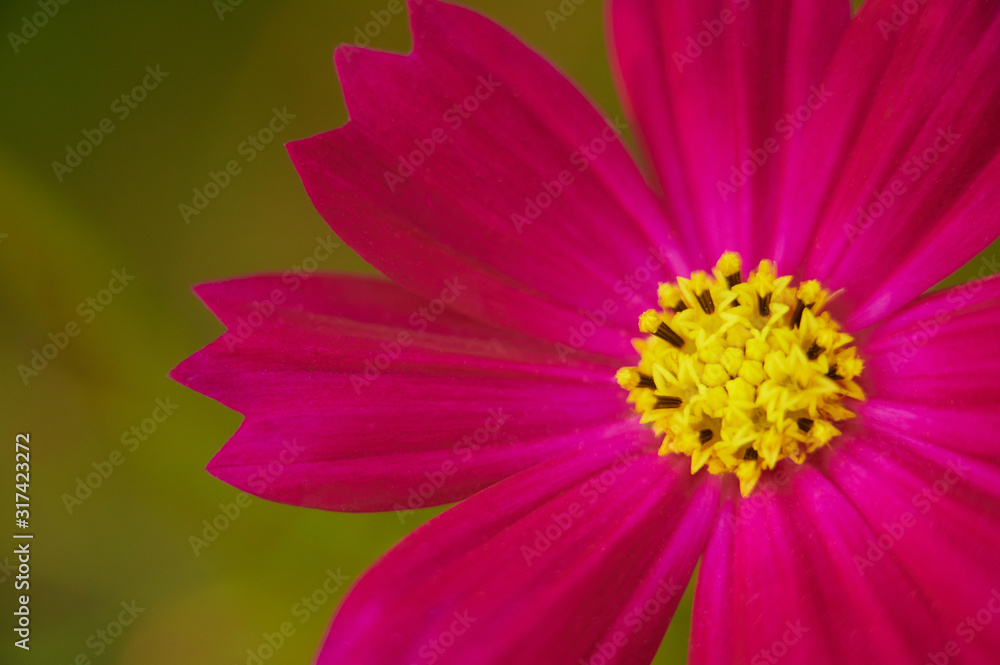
{"x": 742, "y": 371}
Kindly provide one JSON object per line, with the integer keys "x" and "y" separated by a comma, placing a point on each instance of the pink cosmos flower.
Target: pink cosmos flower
{"x": 857, "y": 416}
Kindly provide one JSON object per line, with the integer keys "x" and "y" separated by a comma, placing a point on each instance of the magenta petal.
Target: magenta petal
{"x": 779, "y": 584}
{"x": 356, "y": 297}
{"x": 368, "y": 414}
{"x": 933, "y": 370}
{"x": 938, "y": 513}
{"x": 715, "y": 608}
{"x": 906, "y": 155}
{"x": 431, "y": 179}
{"x": 550, "y": 566}
{"x": 710, "y": 84}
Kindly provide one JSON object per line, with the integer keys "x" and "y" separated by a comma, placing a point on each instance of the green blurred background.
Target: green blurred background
{"x": 227, "y": 66}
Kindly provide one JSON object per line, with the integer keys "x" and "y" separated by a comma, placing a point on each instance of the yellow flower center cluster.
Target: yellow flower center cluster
{"x": 741, "y": 374}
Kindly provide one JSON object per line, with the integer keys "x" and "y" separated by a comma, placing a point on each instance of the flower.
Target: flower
{"x": 845, "y": 165}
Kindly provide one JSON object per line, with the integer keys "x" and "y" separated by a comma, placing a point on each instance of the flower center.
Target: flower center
{"x": 742, "y": 374}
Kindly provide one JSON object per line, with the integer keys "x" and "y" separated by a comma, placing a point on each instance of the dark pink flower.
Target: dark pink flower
{"x": 524, "y": 244}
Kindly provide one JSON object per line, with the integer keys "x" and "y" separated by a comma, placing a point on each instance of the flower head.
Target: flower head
{"x": 740, "y": 375}
{"x": 799, "y": 418}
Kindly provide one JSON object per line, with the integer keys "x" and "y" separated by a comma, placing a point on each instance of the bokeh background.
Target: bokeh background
{"x": 227, "y": 66}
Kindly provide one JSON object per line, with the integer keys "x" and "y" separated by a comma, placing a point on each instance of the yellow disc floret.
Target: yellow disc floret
{"x": 741, "y": 374}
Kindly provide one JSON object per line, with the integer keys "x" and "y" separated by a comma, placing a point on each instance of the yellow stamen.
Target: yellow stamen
{"x": 740, "y": 372}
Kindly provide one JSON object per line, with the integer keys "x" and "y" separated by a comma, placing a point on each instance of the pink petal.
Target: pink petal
{"x": 938, "y": 513}
{"x": 710, "y": 84}
{"x": 933, "y": 370}
{"x": 911, "y": 135}
{"x": 334, "y": 421}
{"x": 579, "y": 273}
{"x": 356, "y": 297}
{"x": 580, "y": 556}
{"x": 778, "y": 583}
{"x": 712, "y": 622}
